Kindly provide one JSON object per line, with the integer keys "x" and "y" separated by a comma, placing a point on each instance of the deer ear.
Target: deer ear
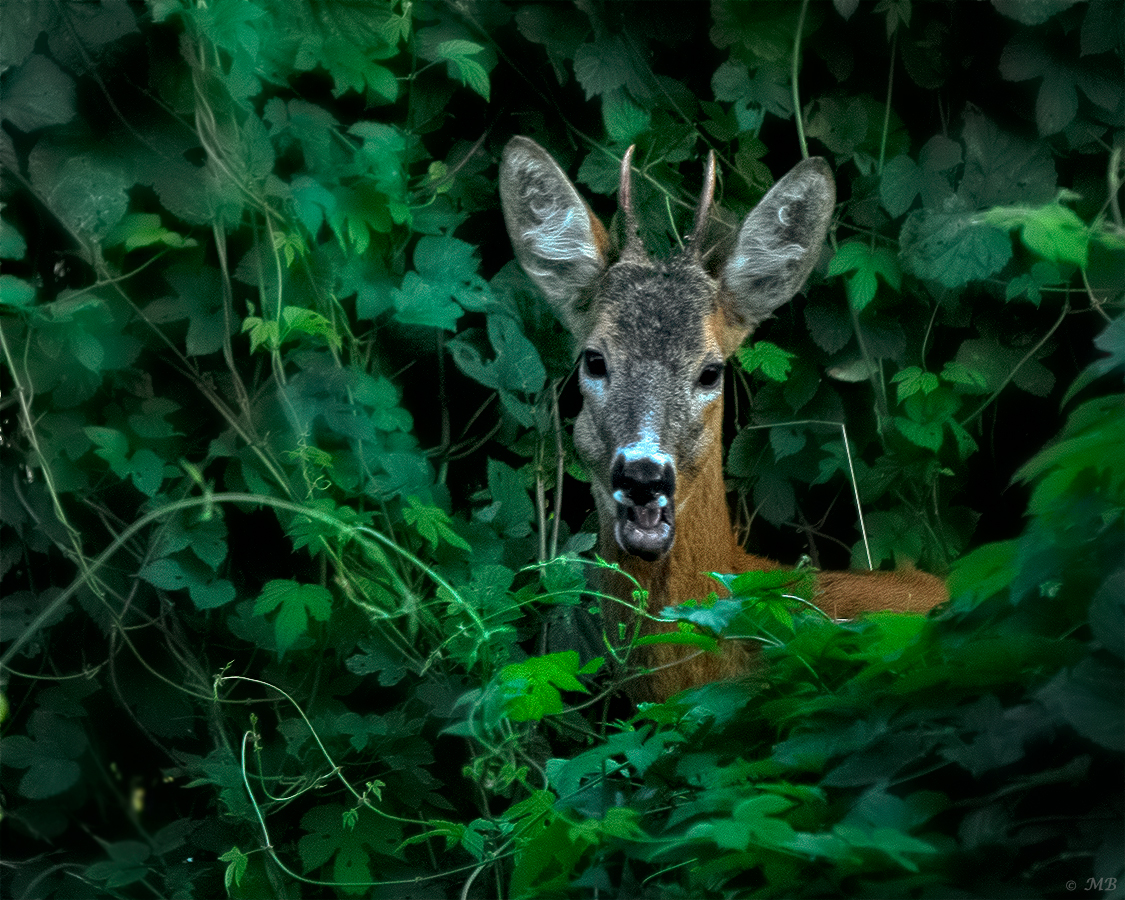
{"x": 558, "y": 240}
{"x": 777, "y": 246}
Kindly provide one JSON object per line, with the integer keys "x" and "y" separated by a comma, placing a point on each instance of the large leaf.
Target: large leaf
{"x": 294, "y": 604}
{"x": 533, "y": 686}
{"x": 39, "y": 93}
{"x": 952, "y": 248}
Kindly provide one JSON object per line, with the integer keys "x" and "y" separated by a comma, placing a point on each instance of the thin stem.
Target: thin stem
{"x": 541, "y": 500}
{"x": 560, "y": 464}
{"x": 1030, "y": 353}
{"x": 1114, "y": 173}
{"x": 793, "y": 80}
{"x": 887, "y": 108}
{"x": 851, "y": 472}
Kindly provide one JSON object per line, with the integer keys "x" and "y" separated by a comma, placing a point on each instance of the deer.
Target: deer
{"x": 652, "y": 337}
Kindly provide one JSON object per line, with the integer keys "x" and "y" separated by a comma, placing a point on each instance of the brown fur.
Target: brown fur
{"x": 706, "y": 542}
{"x": 650, "y": 431}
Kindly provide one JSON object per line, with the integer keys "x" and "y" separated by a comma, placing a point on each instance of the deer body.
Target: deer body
{"x": 653, "y": 336}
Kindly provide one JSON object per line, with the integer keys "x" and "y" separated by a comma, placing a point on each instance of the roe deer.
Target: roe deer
{"x": 653, "y": 337}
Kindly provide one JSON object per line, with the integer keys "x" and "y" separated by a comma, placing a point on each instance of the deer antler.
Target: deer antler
{"x": 633, "y": 246}
{"x": 703, "y": 210}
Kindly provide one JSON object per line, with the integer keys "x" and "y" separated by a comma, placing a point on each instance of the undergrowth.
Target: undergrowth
{"x": 296, "y": 556}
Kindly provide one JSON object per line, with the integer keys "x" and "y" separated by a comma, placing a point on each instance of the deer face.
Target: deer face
{"x": 651, "y": 376}
{"x": 653, "y": 335}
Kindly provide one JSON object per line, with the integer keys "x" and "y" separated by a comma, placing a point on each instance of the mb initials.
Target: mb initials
{"x": 1101, "y": 884}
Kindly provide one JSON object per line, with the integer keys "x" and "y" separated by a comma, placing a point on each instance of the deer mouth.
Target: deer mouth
{"x": 644, "y": 488}
{"x": 647, "y": 529}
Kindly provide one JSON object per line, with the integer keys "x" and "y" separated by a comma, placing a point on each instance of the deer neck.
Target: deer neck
{"x": 704, "y": 543}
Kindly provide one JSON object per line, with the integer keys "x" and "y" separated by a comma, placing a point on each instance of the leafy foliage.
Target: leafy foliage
{"x": 291, "y": 530}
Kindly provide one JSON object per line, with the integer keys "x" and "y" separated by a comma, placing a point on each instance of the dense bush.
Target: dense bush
{"x": 290, "y": 520}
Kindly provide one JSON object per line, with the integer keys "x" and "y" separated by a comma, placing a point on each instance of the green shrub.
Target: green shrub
{"x": 289, "y": 518}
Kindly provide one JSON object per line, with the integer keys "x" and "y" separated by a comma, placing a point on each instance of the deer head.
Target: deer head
{"x": 654, "y": 334}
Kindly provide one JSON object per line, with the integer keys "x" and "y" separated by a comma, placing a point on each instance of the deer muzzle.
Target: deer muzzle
{"x": 644, "y": 489}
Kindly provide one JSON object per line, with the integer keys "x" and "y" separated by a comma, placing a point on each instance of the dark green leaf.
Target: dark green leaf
{"x": 15, "y": 292}
{"x": 899, "y": 185}
{"x": 952, "y": 248}
{"x": 295, "y": 604}
{"x": 1089, "y": 698}
{"x": 601, "y": 66}
{"x": 38, "y": 94}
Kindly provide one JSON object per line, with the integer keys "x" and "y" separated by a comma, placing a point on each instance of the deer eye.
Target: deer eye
{"x": 594, "y": 364}
{"x": 711, "y": 375}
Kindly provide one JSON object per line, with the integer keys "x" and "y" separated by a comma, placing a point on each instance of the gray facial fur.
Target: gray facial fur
{"x": 653, "y": 334}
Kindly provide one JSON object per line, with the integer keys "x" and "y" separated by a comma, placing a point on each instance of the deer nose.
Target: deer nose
{"x": 642, "y": 481}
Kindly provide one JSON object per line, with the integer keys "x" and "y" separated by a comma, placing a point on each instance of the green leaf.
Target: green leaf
{"x": 166, "y": 574}
{"x": 112, "y": 446}
{"x": 350, "y": 849}
{"x": 1057, "y": 103}
{"x": 774, "y": 497}
{"x": 602, "y": 66}
{"x": 958, "y": 373}
{"x": 211, "y": 595}
{"x": 49, "y": 755}
{"x": 1090, "y": 442}
{"x": 899, "y": 185}
{"x": 1002, "y": 168}
{"x": 49, "y": 776}
{"x": 730, "y": 82}
{"x": 263, "y": 332}
{"x": 38, "y": 94}
{"x": 862, "y": 265}
{"x": 237, "y": 868}
{"x": 911, "y": 381}
{"x": 679, "y": 638}
{"x": 768, "y": 358}
{"x": 1054, "y": 232}
{"x": 1107, "y": 614}
{"x": 294, "y": 603}
{"x": 829, "y": 325}
{"x": 624, "y": 120}
{"x": 419, "y": 303}
{"x": 1089, "y": 698}
{"x": 511, "y": 511}
{"x": 15, "y": 292}
{"x": 23, "y": 23}
{"x": 12, "y": 244}
{"x": 952, "y": 249}
{"x": 296, "y": 320}
{"x": 150, "y": 422}
{"x": 1042, "y": 274}
{"x": 470, "y": 72}
{"x": 532, "y": 687}
{"x": 786, "y": 441}
{"x": 600, "y": 171}
{"x": 89, "y": 195}
{"x": 446, "y": 272}
{"x": 832, "y": 124}
{"x": 922, "y": 434}
{"x": 889, "y": 841}
{"x": 145, "y": 468}
{"x": 378, "y": 659}
{"x": 619, "y": 823}
{"x": 432, "y": 523}
{"x": 144, "y": 230}
{"x": 125, "y": 865}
